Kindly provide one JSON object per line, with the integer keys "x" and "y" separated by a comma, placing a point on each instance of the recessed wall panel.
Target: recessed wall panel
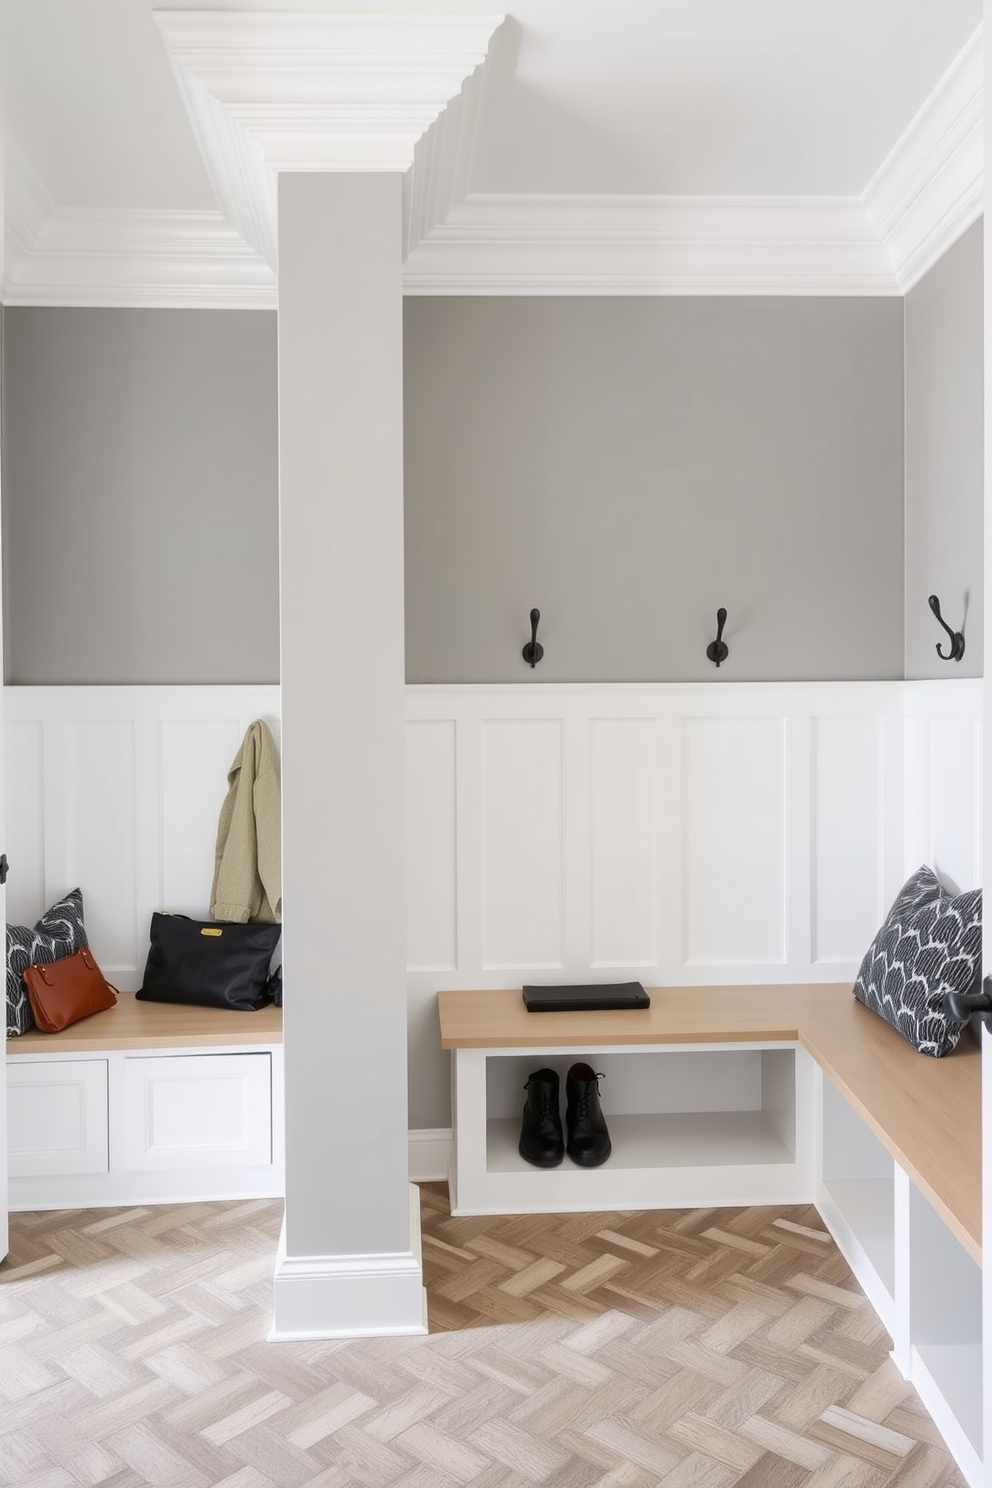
{"x": 733, "y": 842}
{"x": 25, "y": 824}
{"x": 431, "y": 857}
{"x": 196, "y": 756}
{"x": 523, "y": 846}
{"x": 623, "y": 835}
{"x": 955, "y": 816}
{"x": 101, "y": 848}
{"x": 846, "y": 845}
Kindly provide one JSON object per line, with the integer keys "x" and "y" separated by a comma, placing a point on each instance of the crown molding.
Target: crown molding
{"x": 926, "y": 193}
{"x": 929, "y": 188}
{"x": 28, "y": 205}
{"x": 243, "y": 184}
{"x": 438, "y": 180}
{"x": 651, "y": 245}
{"x": 330, "y": 91}
{"x": 122, "y": 258}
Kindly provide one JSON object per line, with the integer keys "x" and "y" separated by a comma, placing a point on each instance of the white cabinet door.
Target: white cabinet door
{"x": 57, "y": 1111}
{"x": 197, "y": 1111}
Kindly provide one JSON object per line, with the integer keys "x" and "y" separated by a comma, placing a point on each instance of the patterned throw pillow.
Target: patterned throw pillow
{"x": 58, "y": 933}
{"x": 930, "y": 944}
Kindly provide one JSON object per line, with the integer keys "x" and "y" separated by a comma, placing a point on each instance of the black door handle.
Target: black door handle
{"x": 3, "y": 868}
{"x": 964, "y": 1005}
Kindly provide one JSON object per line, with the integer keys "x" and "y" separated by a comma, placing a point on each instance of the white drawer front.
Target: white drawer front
{"x": 197, "y": 1111}
{"x": 57, "y": 1117}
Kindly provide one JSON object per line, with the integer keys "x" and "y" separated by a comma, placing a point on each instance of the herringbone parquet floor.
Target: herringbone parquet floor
{"x": 694, "y": 1349}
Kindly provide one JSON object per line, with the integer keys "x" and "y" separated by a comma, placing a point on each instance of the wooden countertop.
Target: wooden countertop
{"x": 927, "y": 1112}
{"x": 155, "y": 1025}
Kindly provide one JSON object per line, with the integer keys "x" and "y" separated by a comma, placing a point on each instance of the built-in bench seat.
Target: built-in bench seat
{"x": 926, "y": 1112}
{"x": 155, "y": 1025}
{"x": 146, "y": 1103}
{"x": 761, "y": 1095}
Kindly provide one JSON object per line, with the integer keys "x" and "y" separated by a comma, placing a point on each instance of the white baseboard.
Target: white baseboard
{"x": 430, "y": 1149}
{"x": 350, "y": 1296}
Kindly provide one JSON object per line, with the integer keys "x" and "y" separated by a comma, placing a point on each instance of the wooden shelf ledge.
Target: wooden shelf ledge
{"x": 154, "y": 1025}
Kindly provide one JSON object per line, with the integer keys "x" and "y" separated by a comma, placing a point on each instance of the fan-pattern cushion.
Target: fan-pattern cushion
{"x": 929, "y": 945}
{"x": 58, "y": 933}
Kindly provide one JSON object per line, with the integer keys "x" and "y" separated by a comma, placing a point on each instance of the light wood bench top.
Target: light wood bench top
{"x": 155, "y": 1025}
{"x": 926, "y": 1112}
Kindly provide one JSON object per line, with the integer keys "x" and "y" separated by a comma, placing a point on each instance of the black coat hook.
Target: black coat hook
{"x": 957, "y": 639}
{"x": 533, "y": 651}
{"x": 718, "y": 650}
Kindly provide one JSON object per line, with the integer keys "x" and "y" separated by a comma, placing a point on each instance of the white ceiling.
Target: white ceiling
{"x": 629, "y": 146}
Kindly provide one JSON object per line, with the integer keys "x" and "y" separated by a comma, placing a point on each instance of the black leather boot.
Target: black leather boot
{"x": 541, "y": 1139}
{"x": 589, "y": 1142}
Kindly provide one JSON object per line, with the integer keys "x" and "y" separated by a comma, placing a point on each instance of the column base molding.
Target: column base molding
{"x": 350, "y": 1296}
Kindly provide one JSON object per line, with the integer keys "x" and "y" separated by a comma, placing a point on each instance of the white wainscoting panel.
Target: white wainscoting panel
{"x": 943, "y": 775}
{"x": 733, "y": 842}
{"x": 26, "y": 796}
{"x": 718, "y": 832}
{"x": 97, "y": 842}
{"x": 431, "y": 846}
{"x": 847, "y": 837}
{"x": 677, "y": 834}
{"x": 118, "y": 790}
{"x": 523, "y": 847}
{"x": 623, "y": 811}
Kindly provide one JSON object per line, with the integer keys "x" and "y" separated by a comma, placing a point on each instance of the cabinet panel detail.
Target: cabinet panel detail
{"x": 201, "y": 1111}
{"x": 58, "y": 1117}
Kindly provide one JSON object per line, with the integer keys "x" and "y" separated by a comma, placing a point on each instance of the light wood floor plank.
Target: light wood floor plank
{"x": 716, "y": 1348}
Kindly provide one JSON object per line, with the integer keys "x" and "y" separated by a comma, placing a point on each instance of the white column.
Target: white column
{"x": 336, "y": 103}
{"x": 350, "y": 1254}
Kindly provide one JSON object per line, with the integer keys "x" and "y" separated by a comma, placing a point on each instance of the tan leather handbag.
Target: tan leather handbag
{"x": 62, "y": 992}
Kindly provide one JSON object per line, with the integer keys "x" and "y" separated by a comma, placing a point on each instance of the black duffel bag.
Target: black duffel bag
{"x": 208, "y": 963}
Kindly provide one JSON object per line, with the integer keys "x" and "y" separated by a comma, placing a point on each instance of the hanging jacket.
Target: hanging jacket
{"x": 248, "y": 865}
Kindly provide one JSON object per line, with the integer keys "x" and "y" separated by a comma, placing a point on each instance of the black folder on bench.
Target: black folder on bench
{"x": 577, "y": 999}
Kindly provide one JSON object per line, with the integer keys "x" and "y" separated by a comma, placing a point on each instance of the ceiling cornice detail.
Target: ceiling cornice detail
{"x": 330, "y": 91}
{"x": 924, "y": 195}
{"x": 651, "y": 245}
{"x": 929, "y": 188}
{"x": 112, "y": 257}
{"x": 153, "y": 259}
{"x": 439, "y": 179}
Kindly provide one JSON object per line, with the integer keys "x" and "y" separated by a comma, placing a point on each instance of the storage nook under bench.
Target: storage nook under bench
{"x": 146, "y": 1103}
{"x": 720, "y": 1096}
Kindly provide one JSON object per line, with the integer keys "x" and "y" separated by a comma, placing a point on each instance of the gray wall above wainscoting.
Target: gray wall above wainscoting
{"x": 945, "y": 421}
{"x": 140, "y": 522}
{"x": 628, "y": 465}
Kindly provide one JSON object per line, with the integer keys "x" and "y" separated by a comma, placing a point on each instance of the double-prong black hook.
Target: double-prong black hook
{"x": 718, "y": 650}
{"x": 957, "y": 639}
{"x": 533, "y": 651}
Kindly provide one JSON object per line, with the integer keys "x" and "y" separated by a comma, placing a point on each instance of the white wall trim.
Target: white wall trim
{"x": 430, "y": 1153}
{"x": 506, "y": 244}
{"x": 923, "y": 196}
{"x": 329, "y": 91}
{"x": 929, "y": 188}
{"x": 364, "y": 1296}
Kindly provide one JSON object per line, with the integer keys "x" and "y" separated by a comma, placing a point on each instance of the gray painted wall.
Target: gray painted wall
{"x": 945, "y": 459}
{"x": 626, "y": 465}
{"x": 629, "y": 465}
{"x": 140, "y": 512}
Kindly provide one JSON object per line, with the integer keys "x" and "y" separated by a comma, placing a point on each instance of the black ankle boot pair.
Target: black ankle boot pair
{"x": 541, "y": 1140}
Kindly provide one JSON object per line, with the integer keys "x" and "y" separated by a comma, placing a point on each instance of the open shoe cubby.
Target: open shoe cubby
{"x": 690, "y": 1125}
